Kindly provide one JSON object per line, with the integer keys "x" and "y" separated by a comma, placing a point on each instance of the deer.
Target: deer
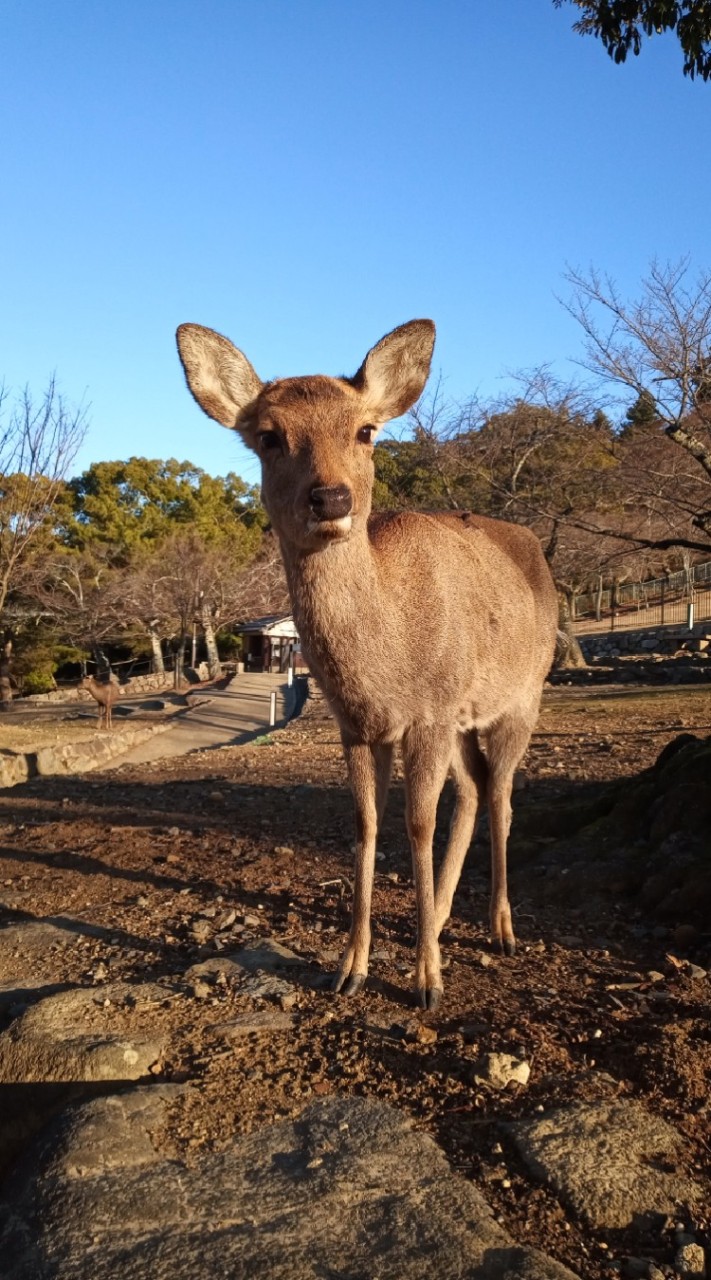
{"x": 105, "y": 694}
{"x": 365, "y": 588}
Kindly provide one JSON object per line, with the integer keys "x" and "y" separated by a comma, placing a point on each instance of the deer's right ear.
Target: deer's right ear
{"x": 221, "y": 379}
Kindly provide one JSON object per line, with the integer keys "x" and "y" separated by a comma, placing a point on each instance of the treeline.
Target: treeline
{"x": 615, "y": 481}
{"x": 610, "y": 502}
{"x": 135, "y": 557}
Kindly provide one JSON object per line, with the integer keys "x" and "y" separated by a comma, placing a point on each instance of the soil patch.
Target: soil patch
{"x": 146, "y": 872}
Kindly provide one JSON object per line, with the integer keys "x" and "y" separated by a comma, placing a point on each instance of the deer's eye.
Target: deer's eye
{"x": 364, "y": 435}
{"x": 268, "y": 440}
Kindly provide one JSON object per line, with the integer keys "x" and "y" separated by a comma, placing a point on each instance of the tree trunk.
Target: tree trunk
{"x": 568, "y": 655}
{"x": 179, "y": 660}
{"x": 157, "y": 663}
{"x": 6, "y": 677}
{"x": 598, "y": 600}
{"x": 214, "y": 665}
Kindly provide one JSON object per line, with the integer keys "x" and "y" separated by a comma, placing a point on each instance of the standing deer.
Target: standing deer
{"x": 105, "y": 694}
{"x": 432, "y": 631}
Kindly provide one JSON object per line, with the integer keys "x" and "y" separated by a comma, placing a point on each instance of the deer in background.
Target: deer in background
{"x": 366, "y": 590}
{"x": 105, "y": 694}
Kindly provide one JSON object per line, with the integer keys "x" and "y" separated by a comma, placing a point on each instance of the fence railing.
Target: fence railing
{"x": 680, "y": 599}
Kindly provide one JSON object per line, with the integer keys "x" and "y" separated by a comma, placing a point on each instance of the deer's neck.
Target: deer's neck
{"x": 332, "y": 589}
{"x": 340, "y": 612}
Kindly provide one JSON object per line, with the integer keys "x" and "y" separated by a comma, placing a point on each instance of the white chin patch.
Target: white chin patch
{"x": 331, "y": 528}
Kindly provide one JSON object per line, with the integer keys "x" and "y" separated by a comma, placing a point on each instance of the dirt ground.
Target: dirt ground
{"x": 606, "y": 995}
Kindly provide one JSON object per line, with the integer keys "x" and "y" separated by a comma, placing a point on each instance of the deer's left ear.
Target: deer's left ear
{"x": 395, "y": 371}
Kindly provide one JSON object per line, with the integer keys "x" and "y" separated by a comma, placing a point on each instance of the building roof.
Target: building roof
{"x": 272, "y": 625}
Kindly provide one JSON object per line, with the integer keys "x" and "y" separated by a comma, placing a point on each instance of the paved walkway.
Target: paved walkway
{"x": 217, "y": 718}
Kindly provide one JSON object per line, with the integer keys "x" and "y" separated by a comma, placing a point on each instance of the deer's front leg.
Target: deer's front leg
{"x": 427, "y": 751}
{"x": 361, "y": 762}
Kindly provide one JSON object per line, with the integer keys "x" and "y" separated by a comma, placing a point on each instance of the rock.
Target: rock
{"x": 226, "y": 919}
{"x": 499, "y": 1070}
{"x": 265, "y": 986}
{"x": 689, "y": 1260}
{"x": 609, "y": 1161}
{"x": 267, "y": 955}
{"x": 348, "y": 1188}
{"x": 76, "y": 1035}
{"x": 201, "y": 931}
{"x": 417, "y": 1032}
{"x": 247, "y": 1024}
{"x": 635, "y": 1268}
{"x": 34, "y": 939}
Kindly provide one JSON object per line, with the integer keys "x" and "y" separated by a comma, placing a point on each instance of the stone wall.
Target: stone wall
{"x": 666, "y": 641}
{"x": 75, "y": 757}
{"x": 132, "y": 688}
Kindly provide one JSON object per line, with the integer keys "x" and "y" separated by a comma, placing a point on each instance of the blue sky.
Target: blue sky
{"x": 303, "y": 175}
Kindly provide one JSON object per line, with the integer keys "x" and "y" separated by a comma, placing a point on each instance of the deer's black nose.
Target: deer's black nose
{"x": 331, "y": 502}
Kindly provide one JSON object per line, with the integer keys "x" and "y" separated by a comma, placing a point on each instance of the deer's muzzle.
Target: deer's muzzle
{"x": 331, "y": 502}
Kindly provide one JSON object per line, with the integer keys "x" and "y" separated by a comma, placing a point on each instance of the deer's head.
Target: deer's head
{"x": 314, "y": 435}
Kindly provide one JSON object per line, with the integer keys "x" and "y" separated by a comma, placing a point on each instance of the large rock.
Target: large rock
{"x": 347, "y": 1189}
{"x": 79, "y": 1035}
{"x": 612, "y": 1162}
{"x": 26, "y": 950}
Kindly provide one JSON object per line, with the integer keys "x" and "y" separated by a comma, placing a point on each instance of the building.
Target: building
{"x": 270, "y": 644}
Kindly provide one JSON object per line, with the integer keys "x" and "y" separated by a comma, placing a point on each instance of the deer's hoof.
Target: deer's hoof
{"x": 504, "y": 946}
{"x": 349, "y": 985}
{"x": 429, "y": 997}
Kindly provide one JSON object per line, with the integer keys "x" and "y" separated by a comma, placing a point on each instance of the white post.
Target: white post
{"x": 272, "y": 708}
{"x": 289, "y": 676}
{"x": 690, "y": 616}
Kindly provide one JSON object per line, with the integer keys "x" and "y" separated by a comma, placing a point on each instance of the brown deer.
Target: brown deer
{"x": 105, "y": 694}
{"x": 432, "y": 631}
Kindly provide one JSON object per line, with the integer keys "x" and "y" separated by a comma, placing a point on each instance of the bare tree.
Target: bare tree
{"x": 38, "y": 443}
{"x": 658, "y": 346}
{"x": 188, "y": 582}
{"x": 81, "y": 595}
{"x": 260, "y": 588}
{"x": 538, "y": 456}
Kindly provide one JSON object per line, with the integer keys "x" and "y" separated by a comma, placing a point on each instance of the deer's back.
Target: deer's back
{"x": 477, "y": 557}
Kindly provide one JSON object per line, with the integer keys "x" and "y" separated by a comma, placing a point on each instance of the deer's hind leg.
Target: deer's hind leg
{"x": 469, "y": 771}
{"x": 506, "y": 742}
{"x": 369, "y": 775}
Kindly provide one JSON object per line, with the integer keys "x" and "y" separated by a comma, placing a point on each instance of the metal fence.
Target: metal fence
{"x": 681, "y": 599}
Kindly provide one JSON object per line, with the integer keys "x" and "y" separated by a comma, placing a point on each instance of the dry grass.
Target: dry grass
{"x": 43, "y": 732}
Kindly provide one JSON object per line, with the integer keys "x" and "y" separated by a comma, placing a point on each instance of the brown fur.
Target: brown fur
{"x": 434, "y": 632}
{"x": 106, "y": 695}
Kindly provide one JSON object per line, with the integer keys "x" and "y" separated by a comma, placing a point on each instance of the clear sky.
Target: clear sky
{"x": 303, "y": 175}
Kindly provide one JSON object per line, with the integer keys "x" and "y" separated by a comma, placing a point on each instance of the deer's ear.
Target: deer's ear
{"x": 395, "y": 371}
{"x": 221, "y": 379}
